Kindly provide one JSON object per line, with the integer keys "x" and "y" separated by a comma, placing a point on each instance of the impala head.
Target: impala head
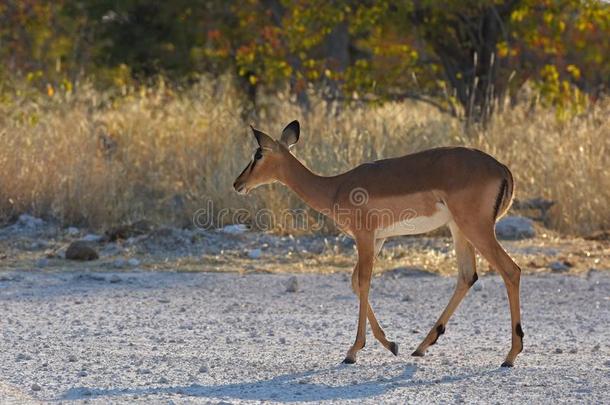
{"x": 268, "y": 160}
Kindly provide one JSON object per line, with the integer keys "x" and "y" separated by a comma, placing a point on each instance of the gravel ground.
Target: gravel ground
{"x": 170, "y": 337}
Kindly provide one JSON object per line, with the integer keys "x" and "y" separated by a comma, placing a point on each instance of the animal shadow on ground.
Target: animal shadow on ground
{"x": 284, "y": 388}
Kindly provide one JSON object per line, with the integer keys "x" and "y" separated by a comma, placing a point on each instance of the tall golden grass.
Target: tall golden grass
{"x": 101, "y": 158}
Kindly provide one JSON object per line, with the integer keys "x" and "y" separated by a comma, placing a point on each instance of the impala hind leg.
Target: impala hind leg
{"x": 482, "y": 236}
{"x": 377, "y": 330}
{"x": 467, "y": 276}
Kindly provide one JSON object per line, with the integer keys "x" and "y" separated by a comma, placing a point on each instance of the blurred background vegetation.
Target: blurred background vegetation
{"x": 450, "y": 53}
{"x": 111, "y": 110}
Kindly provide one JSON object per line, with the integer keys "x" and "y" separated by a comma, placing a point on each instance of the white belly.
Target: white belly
{"x": 416, "y": 224}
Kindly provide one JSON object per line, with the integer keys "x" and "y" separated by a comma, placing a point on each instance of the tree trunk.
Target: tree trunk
{"x": 466, "y": 47}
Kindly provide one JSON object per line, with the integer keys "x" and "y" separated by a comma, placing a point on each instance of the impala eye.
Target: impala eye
{"x": 258, "y": 154}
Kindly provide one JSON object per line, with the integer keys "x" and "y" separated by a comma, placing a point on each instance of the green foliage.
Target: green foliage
{"x": 563, "y": 47}
{"x": 568, "y": 98}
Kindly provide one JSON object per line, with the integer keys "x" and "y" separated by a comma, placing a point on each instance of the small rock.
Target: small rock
{"x": 82, "y": 373}
{"x": 90, "y": 237}
{"x": 114, "y": 279}
{"x": 72, "y": 358}
{"x": 36, "y": 387}
{"x": 38, "y": 245}
{"x": 163, "y": 380}
{"x": 573, "y": 350}
{"x": 119, "y": 263}
{"x": 72, "y": 231}
{"x": 558, "y": 351}
{"x": 515, "y": 228}
{"x": 23, "y": 357}
{"x": 81, "y": 250}
{"x": 406, "y": 298}
{"x": 44, "y": 262}
{"x": 203, "y": 369}
{"x": 235, "y": 229}
{"x": 89, "y": 277}
{"x": 29, "y": 222}
{"x": 255, "y": 253}
{"x": 595, "y": 348}
{"x": 478, "y": 286}
{"x": 282, "y": 340}
{"x": 560, "y": 266}
{"x": 111, "y": 249}
{"x": 292, "y": 285}
{"x": 11, "y": 277}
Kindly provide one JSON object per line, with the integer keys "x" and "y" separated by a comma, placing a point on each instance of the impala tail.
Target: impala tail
{"x": 505, "y": 196}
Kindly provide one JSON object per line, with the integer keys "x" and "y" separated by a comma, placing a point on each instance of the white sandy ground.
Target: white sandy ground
{"x": 166, "y": 337}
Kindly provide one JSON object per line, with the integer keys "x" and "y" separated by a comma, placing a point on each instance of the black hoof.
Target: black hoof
{"x": 394, "y": 348}
{"x": 507, "y": 364}
{"x": 347, "y": 360}
{"x": 417, "y": 353}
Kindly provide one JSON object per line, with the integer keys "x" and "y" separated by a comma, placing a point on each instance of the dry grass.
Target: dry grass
{"x": 98, "y": 159}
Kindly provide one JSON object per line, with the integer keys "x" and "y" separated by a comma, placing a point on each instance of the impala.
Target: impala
{"x": 464, "y": 189}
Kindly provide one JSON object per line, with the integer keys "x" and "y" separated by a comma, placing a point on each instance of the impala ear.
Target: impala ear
{"x": 290, "y": 134}
{"x": 263, "y": 140}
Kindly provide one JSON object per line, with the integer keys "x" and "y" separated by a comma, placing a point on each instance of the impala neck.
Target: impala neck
{"x": 316, "y": 191}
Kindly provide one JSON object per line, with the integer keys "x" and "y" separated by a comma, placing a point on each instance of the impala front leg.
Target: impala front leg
{"x": 366, "y": 256}
{"x": 377, "y": 330}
